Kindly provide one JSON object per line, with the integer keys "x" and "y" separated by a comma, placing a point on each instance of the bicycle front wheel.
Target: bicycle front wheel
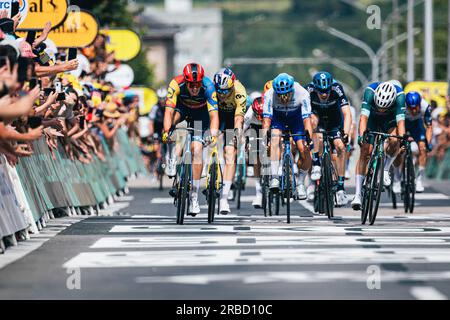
{"x": 183, "y": 193}
{"x": 212, "y": 191}
{"x": 411, "y": 184}
{"x": 328, "y": 186}
{"x": 376, "y": 190}
{"x": 239, "y": 184}
{"x": 287, "y": 173}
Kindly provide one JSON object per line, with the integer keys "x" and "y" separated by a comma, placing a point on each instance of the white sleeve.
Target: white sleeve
{"x": 353, "y": 111}
{"x": 248, "y": 118}
{"x": 306, "y": 102}
{"x": 268, "y": 103}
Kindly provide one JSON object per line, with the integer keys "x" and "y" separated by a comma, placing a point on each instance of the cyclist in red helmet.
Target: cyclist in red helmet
{"x": 252, "y": 128}
{"x": 192, "y": 97}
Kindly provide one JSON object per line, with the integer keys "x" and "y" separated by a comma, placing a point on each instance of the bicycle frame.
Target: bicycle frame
{"x": 215, "y": 155}
{"x": 287, "y": 154}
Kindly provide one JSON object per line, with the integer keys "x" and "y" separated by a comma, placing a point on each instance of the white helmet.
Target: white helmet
{"x": 385, "y": 95}
{"x": 161, "y": 93}
{"x": 254, "y": 95}
{"x": 396, "y": 83}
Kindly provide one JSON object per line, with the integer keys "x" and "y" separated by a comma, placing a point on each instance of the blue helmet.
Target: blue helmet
{"x": 323, "y": 81}
{"x": 283, "y": 83}
{"x": 413, "y": 99}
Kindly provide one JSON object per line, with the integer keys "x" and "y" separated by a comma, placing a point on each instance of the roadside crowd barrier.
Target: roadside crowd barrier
{"x": 439, "y": 169}
{"x": 39, "y": 187}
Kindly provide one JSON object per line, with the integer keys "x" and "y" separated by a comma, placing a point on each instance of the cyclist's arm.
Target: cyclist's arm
{"x": 306, "y": 111}
{"x": 347, "y": 119}
{"x": 248, "y": 119}
{"x": 427, "y": 120}
{"x": 241, "y": 105}
{"x": 267, "y": 109}
{"x": 171, "y": 102}
{"x": 214, "y": 122}
{"x": 400, "y": 113}
{"x": 308, "y": 126}
{"x": 369, "y": 94}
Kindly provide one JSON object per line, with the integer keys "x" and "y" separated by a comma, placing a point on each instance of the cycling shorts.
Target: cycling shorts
{"x": 381, "y": 124}
{"x": 416, "y": 130}
{"x": 291, "y": 121}
{"x": 195, "y": 118}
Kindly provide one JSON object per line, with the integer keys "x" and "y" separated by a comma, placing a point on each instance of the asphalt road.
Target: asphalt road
{"x": 136, "y": 251}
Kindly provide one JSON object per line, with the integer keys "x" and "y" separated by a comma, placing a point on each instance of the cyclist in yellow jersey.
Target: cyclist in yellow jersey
{"x": 232, "y": 101}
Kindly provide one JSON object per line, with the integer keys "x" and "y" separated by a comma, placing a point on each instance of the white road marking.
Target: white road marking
{"x": 37, "y": 240}
{"x": 299, "y": 277}
{"x": 427, "y": 293}
{"x": 207, "y": 241}
{"x": 247, "y": 257}
{"x": 327, "y": 229}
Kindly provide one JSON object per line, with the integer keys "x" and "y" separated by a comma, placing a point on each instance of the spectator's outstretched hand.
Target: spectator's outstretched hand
{"x": 36, "y": 133}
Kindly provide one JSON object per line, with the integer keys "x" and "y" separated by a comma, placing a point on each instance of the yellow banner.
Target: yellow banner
{"x": 430, "y": 91}
{"x": 36, "y": 13}
{"x": 125, "y": 43}
{"x": 78, "y": 31}
{"x": 147, "y": 98}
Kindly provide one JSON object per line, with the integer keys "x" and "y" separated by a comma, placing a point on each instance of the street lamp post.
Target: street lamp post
{"x": 374, "y": 57}
{"x": 356, "y": 42}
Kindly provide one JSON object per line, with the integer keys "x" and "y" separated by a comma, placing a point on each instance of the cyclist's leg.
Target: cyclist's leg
{"x": 361, "y": 166}
{"x": 277, "y": 125}
{"x": 417, "y": 131}
{"x": 341, "y": 152}
{"x": 230, "y": 165}
{"x": 393, "y": 144}
{"x": 304, "y": 161}
{"x": 318, "y": 146}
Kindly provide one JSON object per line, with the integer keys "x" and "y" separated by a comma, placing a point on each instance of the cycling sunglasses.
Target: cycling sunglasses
{"x": 223, "y": 91}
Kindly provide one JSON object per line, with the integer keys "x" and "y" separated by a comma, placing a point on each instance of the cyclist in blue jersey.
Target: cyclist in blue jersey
{"x": 287, "y": 106}
{"x": 418, "y": 126}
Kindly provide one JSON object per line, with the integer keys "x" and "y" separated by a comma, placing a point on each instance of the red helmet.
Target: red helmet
{"x": 193, "y": 72}
{"x": 257, "y": 107}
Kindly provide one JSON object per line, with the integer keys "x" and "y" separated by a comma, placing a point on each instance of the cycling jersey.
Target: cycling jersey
{"x": 424, "y": 113}
{"x": 194, "y": 109}
{"x": 415, "y": 123}
{"x": 251, "y": 119}
{"x": 397, "y": 110}
{"x": 300, "y": 103}
{"x": 268, "y": 86}
{"x": 329, "y": 112}
{"x": 382, "y": 120}
{"x": 178, "y": 95}
{"x": 291, "y": 115}
{"x": 233, "y": 106}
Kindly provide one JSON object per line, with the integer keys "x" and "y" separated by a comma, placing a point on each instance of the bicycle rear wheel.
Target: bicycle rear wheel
{"x": 183, "y": 193}
{"x": 274, "y": 204}
{"x": 212, "y": 191}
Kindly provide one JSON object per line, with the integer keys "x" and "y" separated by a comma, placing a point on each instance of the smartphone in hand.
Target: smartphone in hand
{"x": 34, "y": 82}
{"x": 14, "y": 8}
{"x": 23, "y": 69}
{"x": 61, "y": 96}
{"x": 34, "y": 122}
{"x": 72, "y": 54}
{"x": 31, "y": 36}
